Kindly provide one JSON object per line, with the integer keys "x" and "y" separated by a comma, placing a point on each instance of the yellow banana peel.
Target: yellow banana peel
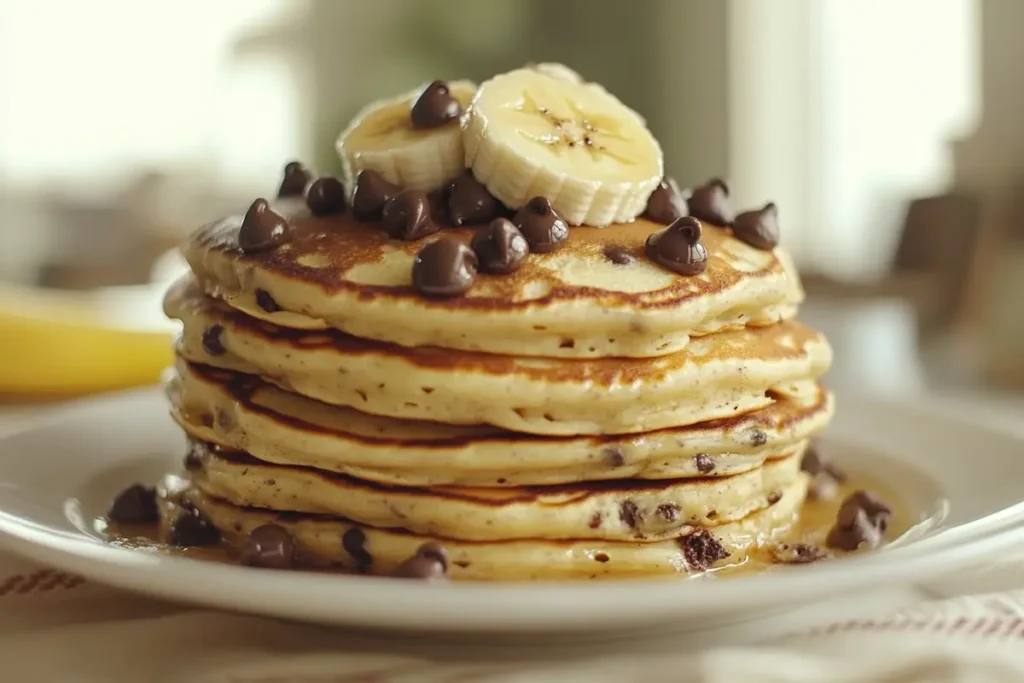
{"x": 56, "y": 343}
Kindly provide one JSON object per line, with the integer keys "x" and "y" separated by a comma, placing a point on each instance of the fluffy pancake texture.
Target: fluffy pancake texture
{"x": 714, "y": 377}
{"x": 337, "y": 272}
{"x": 620, "y": 510}
{"x": 243, "y": 413}
{"x": 327, "y": 541}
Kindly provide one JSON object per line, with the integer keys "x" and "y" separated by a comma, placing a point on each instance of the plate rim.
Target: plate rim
{"x": 483, "y": 606}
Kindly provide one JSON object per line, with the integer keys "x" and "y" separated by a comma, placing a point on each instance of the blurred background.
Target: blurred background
{"x": 888, "y": 132}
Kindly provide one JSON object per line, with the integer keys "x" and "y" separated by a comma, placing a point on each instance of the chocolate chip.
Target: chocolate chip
{"x": 710, "y": 202}
{"x": 862, "y": 520}
{"x": 354, "y": 543}
{"x": 371, "y": 194}
{"x": 759, "y": 228}
{"x": 543, "y": 229}
{"x": 407, "y": 216}
{"x": 701, "y": 550}
{"x": 630, "y": 514}
{"x": 620, "y": 256}
{"x": 798, "y": 553}
{"x": 444, "y": 268}
{"x": 703, "y": 463}
{"x": 774, "y": 497}
{"x": 262, "y": 228}
{"x": 614, "y": 456}
{"x": 269, "y": 546}
{"x": 668, "y": 512}
{"x": 595, "y": 521}
{"x": 434, "y": 107}
{"x": 814, "y": 462}
{"x": 212, "y": 343}
{"x": 469, "y": 202}
{"x": 195, "y": 457}
{"x": 266, "y": 302}
{"x": 666, "y": 203}
{"x": 135, "y": 505}
{"x": 500, "y": 247}
{"x": 758, "y": 437}
{"x": 678, "y": 247}
{"x": 192, "y": 528}
{"x": 296, "y": 176}
{"x": 325, "y": 195}
{"x": 430, "y": 562}
{"x": 601, "y": 557}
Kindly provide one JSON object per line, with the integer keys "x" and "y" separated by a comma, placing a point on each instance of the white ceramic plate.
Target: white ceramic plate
{"x": 57, "y": 476}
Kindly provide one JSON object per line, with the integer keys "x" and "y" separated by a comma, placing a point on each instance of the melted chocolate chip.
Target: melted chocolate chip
{"x": 371, "y": 194}
{"x": 668, "y": 512}
{"x": 758, "y": 437}
{"x": 500, "y": 247}
{"x": 430, "y": 562}
{"x": 759, "y": 228}
{"x": 798, "y": 553}
{"x": 630, "y": 514}
{"x": 469, "y": 202}
{"x": 269, "y": 546}
{"x": 620, "y": 256}
{"x": 325, "y": 196}
{"x": 614, "y": 456}
{"x": 354, "y": 543}
{"x": 774, "y": 497}
{"x": 135, "y": 505}
{"x": 192, "y": 528}
{"x": 862, "y": 520}
{"x": 296, "y": 176}
{"x": 814, "y": 463}
{"x": 678, "y": 247}
{"x": 666, "y": 203}
{"x": 266, "y": 302}
{"x": 710, "y": 202}
{"x": 407, "y": 216}
{"x": 702, "y": 550}
{"x": 195, "y": 458}
{"x": 434, "y": 107}
{"x": 543, "y": 229}
{"x": 262, "y": 228}
{"x": 444, "y": 268}
{"x": 212, "y": 343}
{"x": 703, "y": 463}
{"x": 595, "y": 520}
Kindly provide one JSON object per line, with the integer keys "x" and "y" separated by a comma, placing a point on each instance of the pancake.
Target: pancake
{"x": 241, "y": 412}
{"x": 616, "y": 510}
{"x": 716, "y": 376}
{"x": 575, "y": 302}
{"x": 332, "y": 542}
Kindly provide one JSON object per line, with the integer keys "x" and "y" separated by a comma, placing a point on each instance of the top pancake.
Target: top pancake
{"x": 337, "y": 272}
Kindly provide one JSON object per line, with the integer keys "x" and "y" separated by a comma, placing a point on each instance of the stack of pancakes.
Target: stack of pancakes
{"x": 590, "y": 414}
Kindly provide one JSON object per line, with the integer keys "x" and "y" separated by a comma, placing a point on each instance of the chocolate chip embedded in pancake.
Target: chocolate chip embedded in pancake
{"x": 284, "y": 428}
{"x": 718, "y": 376}
{"x": 517, "y": 560}
{"x": 430, "y": 563}
{"x": 630, "y": 509}
{"x": 269, "y": 546}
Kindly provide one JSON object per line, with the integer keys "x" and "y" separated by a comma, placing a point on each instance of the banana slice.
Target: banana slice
{"x": 528, "y": 133}
{"x": 381, "y": 138}
{"x": 555, "y": 70}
